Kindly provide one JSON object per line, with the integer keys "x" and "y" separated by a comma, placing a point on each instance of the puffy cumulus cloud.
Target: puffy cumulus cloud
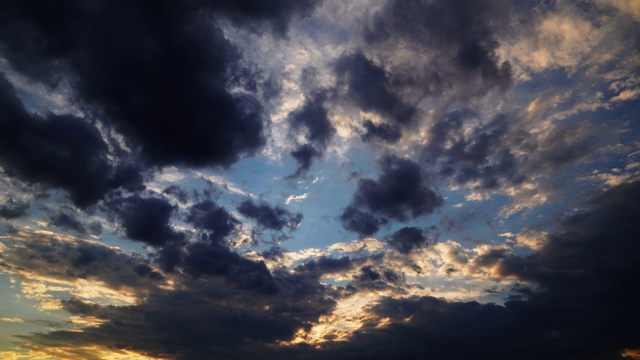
{"x": 400, "y": 193}
{"x": 165, "y": 66}
{"x": 61, "y": 151}
{"x": 273, "y": 218}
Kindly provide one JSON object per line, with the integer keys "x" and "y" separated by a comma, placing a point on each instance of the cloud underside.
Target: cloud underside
{"x": 571, "y": 298}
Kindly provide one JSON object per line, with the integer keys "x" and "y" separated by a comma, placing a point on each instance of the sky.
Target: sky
{"x": 319, "y": 179}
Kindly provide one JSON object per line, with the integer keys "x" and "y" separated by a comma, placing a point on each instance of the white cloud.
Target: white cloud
{"x": 296, "y": 198}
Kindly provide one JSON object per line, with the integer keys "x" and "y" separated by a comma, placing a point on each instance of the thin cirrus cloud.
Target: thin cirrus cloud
{"x": 467, "y": 170}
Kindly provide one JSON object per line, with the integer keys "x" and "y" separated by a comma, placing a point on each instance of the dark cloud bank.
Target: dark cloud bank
{"x": 157, "y": 72}
{"x": 584, "y": 305}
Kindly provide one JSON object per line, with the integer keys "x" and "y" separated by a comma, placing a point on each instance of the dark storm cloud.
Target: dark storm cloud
{"x": 311, "y": 120}
{"x": 213, "y": 219}
{"x": 14, "y": 209}
{"x": 400, "y": 193}
{"x": 461, "y": 34}
{"x": 368, "y": 87}
{"x": 385, "y": 132}
{"x": 146, "y": 219}
{"x": 407, "y": 239}
{"x": 360, "y": 222}
{"x": 158, "y": 74}
{"x": 270, "y": 217}
{"x": 60, "y": 151}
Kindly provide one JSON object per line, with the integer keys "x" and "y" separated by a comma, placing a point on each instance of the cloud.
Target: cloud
{"x": 296, "y": 198}
{"x": 367, "y": 85}
{"x": 385, "y": 132}
{"x": 482, "y": 155}
{"x": 454, "y": 45}
{"x": 277, "y": 15}
{"x": 321, "y": 266}
{"x": 400, "y": 193}
{"x": 81, "y": 267}
{"x": 12, "y": 320}
{"x": 60, "y": 151}
{"x": 165, "y": 66}
{"x": 626, "y": 95}
{"x": 213, "y": 219}
{"x": 215, "y": 259}
{"x": 579, "y": 273}
{"x": 12, "y": 209}
{"x": 67, "y": 221}
{"x": 273, "y": 218}
{"x": 146, "y": 219}
{"x": 360, "y": 222}
{"x": 312, "y": 122}
{"x": 407, "y": 239}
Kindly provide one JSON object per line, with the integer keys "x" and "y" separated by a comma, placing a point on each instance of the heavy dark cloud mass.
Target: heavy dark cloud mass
{"x": 62, "y": 151}
{"x": 158, "y": 74}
